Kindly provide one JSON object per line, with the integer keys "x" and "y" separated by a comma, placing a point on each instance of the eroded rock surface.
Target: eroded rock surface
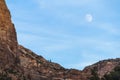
{"x": 19, "y": 63}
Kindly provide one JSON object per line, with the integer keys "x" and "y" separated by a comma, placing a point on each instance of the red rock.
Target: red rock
{"x": 19, "y": 63}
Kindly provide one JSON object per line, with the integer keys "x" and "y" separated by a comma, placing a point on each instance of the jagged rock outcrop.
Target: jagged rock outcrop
{"x": 7, "y": 30}
{"x": 9, "y": 59}
{"x": 102, "y": 68}
{"x": 19, "y": 63}
{"x": 42, "y": 69}
{"x": 7, "y": 36}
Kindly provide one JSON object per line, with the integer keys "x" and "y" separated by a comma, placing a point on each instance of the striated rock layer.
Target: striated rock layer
{"x": 19, "y": 63}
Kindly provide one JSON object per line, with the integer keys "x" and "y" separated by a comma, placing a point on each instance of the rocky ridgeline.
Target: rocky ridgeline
{"x": 19, "y": 63}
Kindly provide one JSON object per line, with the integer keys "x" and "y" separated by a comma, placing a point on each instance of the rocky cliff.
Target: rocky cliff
{"x": 19, "y": 63}
{"x": 7, "y": 30}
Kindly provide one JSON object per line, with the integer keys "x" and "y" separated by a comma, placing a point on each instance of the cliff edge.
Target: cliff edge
{"x": 19, "y": 63}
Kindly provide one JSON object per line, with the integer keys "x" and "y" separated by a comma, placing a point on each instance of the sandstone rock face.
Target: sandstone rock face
{"x": 37, "y": 68}
{"x": 9, "y": 60}
{"x": 8, "y": 41}
{"x": 102, "y": 67}
{"x": 19, "y": 63}
{"x": 7, "y": 30}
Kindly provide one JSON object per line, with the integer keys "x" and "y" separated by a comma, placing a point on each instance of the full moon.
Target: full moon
{"x": 88, "y": 17}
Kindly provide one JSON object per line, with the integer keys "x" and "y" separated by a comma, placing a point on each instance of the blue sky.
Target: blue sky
{"x": 59, "y": 30}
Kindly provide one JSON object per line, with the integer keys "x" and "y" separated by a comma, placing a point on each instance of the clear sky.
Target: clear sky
{"x": 73, "y": 33}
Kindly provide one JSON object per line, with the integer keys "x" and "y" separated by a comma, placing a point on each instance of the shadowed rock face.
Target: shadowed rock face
{"x": 19, "y": 63}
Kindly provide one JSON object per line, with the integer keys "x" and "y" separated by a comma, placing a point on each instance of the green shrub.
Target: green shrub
{"x": 4, "y": 77}
{"x": 94, "y": 74}
{"x": 115, "y": 75}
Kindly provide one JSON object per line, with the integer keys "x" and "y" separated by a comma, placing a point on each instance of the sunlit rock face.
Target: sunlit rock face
{"x": 20, "y": 63}
{"x": 7, "y": 30}
{"x": 8, "y": 40}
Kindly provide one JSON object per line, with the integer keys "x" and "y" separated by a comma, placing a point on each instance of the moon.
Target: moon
{"x": 89, "y": 18}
